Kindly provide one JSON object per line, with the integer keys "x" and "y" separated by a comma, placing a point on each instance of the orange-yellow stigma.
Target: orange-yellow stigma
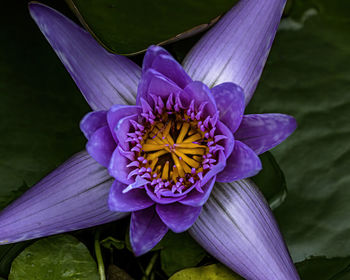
{"x": 174, "y": 147}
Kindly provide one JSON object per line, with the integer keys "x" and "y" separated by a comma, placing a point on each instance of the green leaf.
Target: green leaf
{"x": 128, "y": 27}
{"x": 308, "y": 76}
{"x": 179, "y": 251}
{"x": 209, "y": 272}
{"x": 58, "y": 257}
{"x": 39, "y": 104}
{"x": 7, "y": 254}
{"x": 271, "y": 181}
{"x": 321, "y": 268}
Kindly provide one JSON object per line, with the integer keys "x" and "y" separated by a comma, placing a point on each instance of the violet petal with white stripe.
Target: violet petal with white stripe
{"x": 237, "y": 227}
{"x": 103, "y": 78}
{"x": 74, "y": 196}
{"x": 236, "y": 48}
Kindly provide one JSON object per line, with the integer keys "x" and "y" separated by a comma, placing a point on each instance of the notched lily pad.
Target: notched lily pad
{"x": 129, "y": 27}
{"x": 55, "y": 258}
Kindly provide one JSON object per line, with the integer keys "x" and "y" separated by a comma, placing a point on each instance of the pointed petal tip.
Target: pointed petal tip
{"x": 237, "y": 227}
{"x": 72, "y": 197}
{"x": 104, "y": 79}
{"x": 236, "y": 48}
{"x": 146, "y": 230}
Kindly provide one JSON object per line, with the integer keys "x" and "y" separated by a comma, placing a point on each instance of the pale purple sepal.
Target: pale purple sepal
{"x": 242, "y": 163}
{"x": 237, "y": 227}
{"x": 230, "y": 102}
{"x": 178, "y": 217}
{"x": 72, "y": 197}
{"x": 104, "y": 79}
{"x": 236, "y": 48}
{"x": 146, "y": 230}
{"x": 262, "y": 132}
{"x": 130, "y": 201}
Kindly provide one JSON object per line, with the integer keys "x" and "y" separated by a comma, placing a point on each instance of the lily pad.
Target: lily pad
{"x": 126, "y": 27}
{"x": 209, "y": 272}
{"x": 55, "y": 258}
{"x": 308, "y": 76}
{"x": 271, "y": 181}
{"x": 321, "y": 268}
{"x": 179, "y": 251}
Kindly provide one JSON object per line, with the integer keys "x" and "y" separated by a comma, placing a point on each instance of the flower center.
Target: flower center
{"x": 173, "y": 147}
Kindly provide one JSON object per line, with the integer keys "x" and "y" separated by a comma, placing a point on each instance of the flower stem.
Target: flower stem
{"x": 150, "y": 266}
{"x": 101, "y": 267}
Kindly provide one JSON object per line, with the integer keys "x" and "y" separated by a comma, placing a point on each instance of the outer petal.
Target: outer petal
{"x": 101, "y": 145}
{"x": 237, "y": 227}
{"x": 178, "y": 217}
{"x": 196, "y": 198}
{"x": 127, "y": 202}
{"x": 72, "y": 197}
{"x": 230, "y": 102}
{"x": 236, "y": 48}
{"x": 170, "y": 68}
{"x": 104, "y": 79}
{"x": 262, "y": 132}
{"x": 242, "y": 163}
{"x": 146, "y": 230}
{"x": 93, "y": 121}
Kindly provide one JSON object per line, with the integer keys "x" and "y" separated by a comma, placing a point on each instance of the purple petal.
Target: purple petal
{"x": 237, "y": 227}
{"x": 196, "y": 198}
{"x": 93, "y": 121}
{"x": 178, "y": 217}
{"x": 169, "y": 67}
{"x": 262, "y": 132}
{"x": 230, "y": 102}
{"x": 162, "y": 200}
{"x": 200, "y": 93}
{"x": 146, "y": 230}
{"x": 101, "y": 145}
{"x": 229, "y": 142}
{"x": 242, "y": 163}
{"x": 153, "y": 82}
{"x": 72, "y": 197}
{"x": 151, "y": 54}
{"x": 104, "y": 79}
{"x": 220, "y": 166}
{"x": 127, "y": 202}
{"x": 118, "y": 112}
{"x": 123, "y": 127}
{"x": 236, "y": 48}
{"x": 117, "y": 167}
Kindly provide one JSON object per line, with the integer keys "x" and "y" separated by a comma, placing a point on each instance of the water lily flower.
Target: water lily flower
{"x": 160, "y": 137}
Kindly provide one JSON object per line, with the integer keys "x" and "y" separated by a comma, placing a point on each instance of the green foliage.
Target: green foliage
{"x": 40, "y": 106}
{"x": 308, "y": 76}
{"x": 125, "y": 27}
{"x": 209, "y": 272}
{"x": 271, "y": 181}
{"x": 321, "y": 268}
{"x": 7, "y": 254}
{"x": 179, "y": 251}
{"x": 55, "y": 258}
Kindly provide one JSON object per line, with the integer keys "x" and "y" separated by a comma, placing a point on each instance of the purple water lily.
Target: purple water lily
{"x": 160, "y": 158}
